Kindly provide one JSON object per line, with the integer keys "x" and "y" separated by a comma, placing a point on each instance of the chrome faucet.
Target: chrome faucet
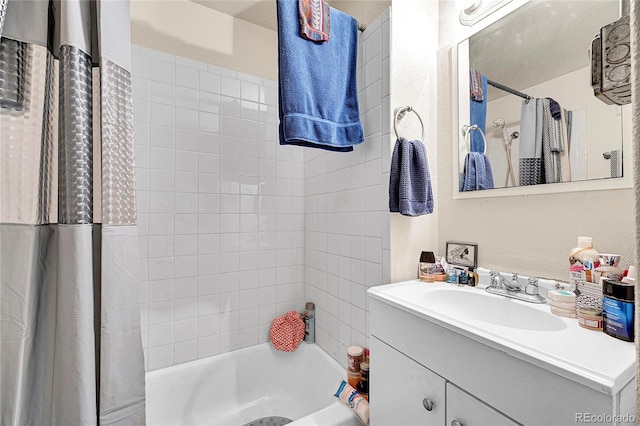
{"x": 500, "y": 282}
{"x": 514, "y": 285}
{"x": 500, "y": 285}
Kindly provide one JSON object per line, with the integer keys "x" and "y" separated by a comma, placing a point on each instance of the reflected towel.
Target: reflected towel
{"x": 410, "y": 190}
{"x": 551, "y": 145}
{"x": 478, "y": 115}
{"x": 530, "y": 147}
{"x": 317, "y": 83}
{"x": 477, "y": 173}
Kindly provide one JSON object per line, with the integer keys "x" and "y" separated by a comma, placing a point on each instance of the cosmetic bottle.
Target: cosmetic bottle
{"x": 617, "y": 309}
{"x": 582, "y": 261}
{"x": 310, "y": 323}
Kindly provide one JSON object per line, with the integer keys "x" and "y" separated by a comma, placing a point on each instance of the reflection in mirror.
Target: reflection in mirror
{"x": 530, "y": 94}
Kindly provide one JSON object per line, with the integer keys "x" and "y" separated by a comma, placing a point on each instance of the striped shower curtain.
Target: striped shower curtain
{"x": 70, "y": 346}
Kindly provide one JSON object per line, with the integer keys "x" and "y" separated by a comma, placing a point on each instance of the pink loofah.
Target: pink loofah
{"x": 287, "y": 332}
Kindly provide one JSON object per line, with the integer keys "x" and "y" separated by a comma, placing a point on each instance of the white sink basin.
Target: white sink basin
{"x": 526, "y": 330}
{"x": 492, "y": 309}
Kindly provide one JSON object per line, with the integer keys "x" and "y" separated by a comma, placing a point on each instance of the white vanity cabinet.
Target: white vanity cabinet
{"x": 409, "y": 394}
{"x": 465, "y": 410}
{"x": 406, "y": 393}
{"x": 476, "y": 373}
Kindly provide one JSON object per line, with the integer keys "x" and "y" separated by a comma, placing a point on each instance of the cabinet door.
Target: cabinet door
{"x": 465, "y": 410}
{"x": 403, "y": 392}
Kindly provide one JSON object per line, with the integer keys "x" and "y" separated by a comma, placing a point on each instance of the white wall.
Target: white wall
{"x": 530, "y": 234}
{"x": 414, "y": 35}
{"x": 346, "y": 210}
{"x": 340, "y": 244}
{"x": 198, "y": 32}
{"x": 220, "y": 208}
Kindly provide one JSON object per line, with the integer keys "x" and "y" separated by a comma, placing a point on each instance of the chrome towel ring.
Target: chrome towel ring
{"x": 399, "y": 114}
{"x": 466, "y": 132}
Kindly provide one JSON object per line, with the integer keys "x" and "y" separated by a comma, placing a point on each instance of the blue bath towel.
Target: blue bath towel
{"x": 410, "y": 190}
{"x": 478, "y": 115}
{"x": 317, "y": 83}
{"x": 477, "y": 172}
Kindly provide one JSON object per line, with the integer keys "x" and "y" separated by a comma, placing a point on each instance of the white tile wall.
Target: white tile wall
{"x": 220, "y": 209}
{"x": 346, "y": 210}
{"x": 235, "y": 229}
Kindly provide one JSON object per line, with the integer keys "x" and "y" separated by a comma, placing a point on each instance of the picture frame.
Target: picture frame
{"x": 462, "y": 254}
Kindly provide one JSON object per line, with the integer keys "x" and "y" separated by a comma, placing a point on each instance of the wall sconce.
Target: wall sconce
{"x": 467, "y": 6}
{"x": 471, "y": 11}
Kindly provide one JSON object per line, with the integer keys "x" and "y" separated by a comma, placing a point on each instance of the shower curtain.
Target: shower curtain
{"x": 70, "y": 346}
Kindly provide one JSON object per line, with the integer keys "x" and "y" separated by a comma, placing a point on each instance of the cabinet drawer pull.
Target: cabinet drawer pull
{"x": 428, "y": 404}
{"x": 456, "y": 423}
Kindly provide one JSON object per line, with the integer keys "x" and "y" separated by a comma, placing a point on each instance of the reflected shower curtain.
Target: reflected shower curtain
{"x": 70, "y": 346}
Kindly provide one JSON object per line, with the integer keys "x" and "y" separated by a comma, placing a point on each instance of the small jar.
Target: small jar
{"x": 427, "y": 272}
{"x": 590, "y": 318}
{"x": 353, "y": 379}
{"x": 355, "y": 357}
{"x": 363, "y": 386}
{"x": 618, "y": 309}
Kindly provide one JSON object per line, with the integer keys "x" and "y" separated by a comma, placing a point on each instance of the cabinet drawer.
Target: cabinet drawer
{"x": 403, "y": 392}
{"x": 469, "y": 411}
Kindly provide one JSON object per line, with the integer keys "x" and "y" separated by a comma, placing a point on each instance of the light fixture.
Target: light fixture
{"x": 468, "y": 6}
{"x": 471, "y": 11}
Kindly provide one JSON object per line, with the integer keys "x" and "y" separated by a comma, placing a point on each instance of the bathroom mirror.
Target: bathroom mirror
{"x": 535, "y": 51}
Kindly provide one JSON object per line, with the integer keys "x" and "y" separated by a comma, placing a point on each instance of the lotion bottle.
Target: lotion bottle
{"x": 582, "y": 260}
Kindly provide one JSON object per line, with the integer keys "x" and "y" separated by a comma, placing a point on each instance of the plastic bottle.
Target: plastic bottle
{"x": 310, "y": 323}
{"x": 582, "y": 260}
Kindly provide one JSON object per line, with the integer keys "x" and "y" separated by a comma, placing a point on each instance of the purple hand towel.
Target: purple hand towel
{"x": 410, "y": 190}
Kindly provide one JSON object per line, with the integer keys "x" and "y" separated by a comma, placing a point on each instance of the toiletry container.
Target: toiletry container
{"x": 355, "y": 356}
{"x": 618, "y": 306}
{"x": 310, "y": 323}
{"x": 363, "y": 386}
{"x": 590, "y": 318}
{"x": 452, "y": 276}
{"x": 609, "y": 268}
{"x": 563, "y": 303}
{"x": 582, "y": 261}
{"x": 427, "y": 267}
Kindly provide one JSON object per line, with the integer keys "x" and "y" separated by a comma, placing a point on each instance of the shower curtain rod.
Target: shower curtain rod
{"x": 508, "y": 89}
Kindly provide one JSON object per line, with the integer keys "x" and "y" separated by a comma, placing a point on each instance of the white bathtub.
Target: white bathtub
{"x": 244, "y": 385}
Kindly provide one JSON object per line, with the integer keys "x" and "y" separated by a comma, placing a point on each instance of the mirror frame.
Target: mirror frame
{"x": 460, "y": 112}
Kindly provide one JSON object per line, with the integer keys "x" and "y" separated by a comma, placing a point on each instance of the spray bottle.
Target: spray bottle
{"x": 310, "y": 323}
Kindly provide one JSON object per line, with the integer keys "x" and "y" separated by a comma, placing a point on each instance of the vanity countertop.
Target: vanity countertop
{"x": 562, "y": 346}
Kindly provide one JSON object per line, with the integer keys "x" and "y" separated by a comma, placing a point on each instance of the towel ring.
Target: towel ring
{"x": 399, "y": 114}
{"x": 466, "y": 132}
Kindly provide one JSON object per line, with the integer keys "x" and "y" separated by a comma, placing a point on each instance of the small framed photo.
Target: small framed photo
{"x": 463, "y": 254}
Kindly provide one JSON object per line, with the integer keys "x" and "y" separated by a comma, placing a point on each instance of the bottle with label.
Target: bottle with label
{"x": 618, "y": 309}
{"x": 310, "y": 323}
{"x": 582, "y": 262}
{"x": 355, "y": 356}
{"x": 363, "y": 385}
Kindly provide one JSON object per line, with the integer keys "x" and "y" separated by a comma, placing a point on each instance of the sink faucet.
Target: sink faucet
{"x": 500, "y": 282}
{"x": 500, "y": 285}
